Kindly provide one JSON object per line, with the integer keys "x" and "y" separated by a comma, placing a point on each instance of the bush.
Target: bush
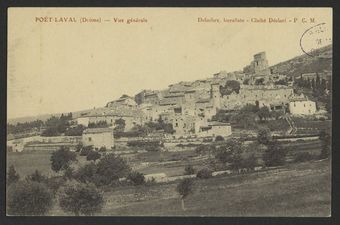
{"x": 264, "y": 136}
{"x": 249, "y": 162}
{"x": 102, "y": 149}
{"x": 86, "y": 173}
{"x": 28, "y": 198}
{"x": 189, "y": 169}
{"x": 12, "y": 175}
{"x": 110, "y": 168}
{"x": 79, "y": 147}
{"x": 219, "y": 138}
{"x": 93, "y": 155}
{"x": 136, "y": 178}
{"x": 303, "y": 157}
{"x": 86, "y": 150}
{"x": 54, "y": 183}
{"x": 274, "y": 154}
{"x": 204, "y": 173}
{"x": 80, "y": 199}
{"x": 37, "y": 177}
{"x": 62, "y": 158}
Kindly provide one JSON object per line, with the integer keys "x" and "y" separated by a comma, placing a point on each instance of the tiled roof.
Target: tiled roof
{"x": 116, "y": 111}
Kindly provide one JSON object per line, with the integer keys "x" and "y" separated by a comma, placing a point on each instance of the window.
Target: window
{"x": 176, "y": 125}
{"x": 90, "y": 139}
{"x": 304, "y": 105}
{"x": 294, "y": 104}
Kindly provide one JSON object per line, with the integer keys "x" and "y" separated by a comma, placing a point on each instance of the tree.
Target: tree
{"x": 112, "y": 167}
{"x": 325, "y": 139}
{"x": 136, "y": 178}
{"x": 12, "y": 175}
{"x": 274, "y": 155}
{"x": 119, "y": 125}
{"x": 219, "y": 138}
{"x": 263, "y": 113}
{"x": 229, "y": 87}
{"x": 62, "y": 158}
{"x": 86, "y": 150}
{"x": 86, "y": 173}
{"x": 249, "y": 162}
{"x": 259, "y": 81}
{"x": 226, "y": 153}
{"x": 81, "y": 199}
{"x": 93, "y": 155}
{"x": 184, "y": 188}
{"x": 28, "y": 198}
{"x": 99, "y": 124}
{"x": 189, "y": 169}
{"x": 79, "y": 146}
{"x": 204, "y": 173}
{"x": 75, "y": 131}
{"x": 37, "y": 177}
{"x": 264, "y": 136}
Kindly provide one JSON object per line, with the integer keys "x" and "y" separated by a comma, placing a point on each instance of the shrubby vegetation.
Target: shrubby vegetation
{"x": 136, "y": 178}
{"x": 81, "y": 199}
{"x": 75, "y": 131}
{"x": 274, "y": 154}
{"x": 37, "y": 176}
{"x": 12, "y": 175}
{"x": 24, "y": 127}
{"x": 93, "y": 155}
{"x": 325, "y": 144}
{"x": 26, "y": 198}
{"x": 61, "y": 159}
{"x": 230, "y": 87}
{"x": 189, "y": 169}
{"x": 303, "y": 157}
{"x": 56, "y": 126}
{"x": 99, "y": 124}
{"x": 185, "y": 188}
{"x": 219, "y": 138}
{"x": 204, "y": 173}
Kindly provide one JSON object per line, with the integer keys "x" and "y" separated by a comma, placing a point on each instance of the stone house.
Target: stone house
{"x": 98, "y": 137}
{"x": 302, "y": 107}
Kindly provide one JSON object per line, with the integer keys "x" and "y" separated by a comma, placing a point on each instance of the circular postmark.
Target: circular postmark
{"x": 314, "y": 39}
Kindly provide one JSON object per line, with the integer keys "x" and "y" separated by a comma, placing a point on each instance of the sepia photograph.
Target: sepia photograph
{"x": 190, "y": 112}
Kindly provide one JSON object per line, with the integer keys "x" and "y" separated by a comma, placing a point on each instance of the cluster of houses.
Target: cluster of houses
{"x": 190, "y": 106}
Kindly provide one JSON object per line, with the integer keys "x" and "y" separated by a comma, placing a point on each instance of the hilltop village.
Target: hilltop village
{"x": 190, "y": 106}
{"x": 254, "y": 132}
{"x": 189, "y": 109}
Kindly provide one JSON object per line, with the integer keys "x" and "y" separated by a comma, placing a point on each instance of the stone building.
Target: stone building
{"x": 123, "y": 101}
{"x": 98, "y": 137}
{"x": 131, "y": 116}
{"x": 302, "y": 107}
{"x": 213, "y": 129}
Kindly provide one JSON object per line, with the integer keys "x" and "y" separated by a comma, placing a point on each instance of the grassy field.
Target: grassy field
{"x": 296, "y": 190}
{"x": 27, "y": 162}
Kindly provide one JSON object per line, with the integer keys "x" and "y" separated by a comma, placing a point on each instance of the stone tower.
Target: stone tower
{"x": 260, "y": 64}
{"x": 216, "y": 95}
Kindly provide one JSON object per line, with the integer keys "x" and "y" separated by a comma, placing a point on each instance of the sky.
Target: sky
{"x": 69, "y": 66}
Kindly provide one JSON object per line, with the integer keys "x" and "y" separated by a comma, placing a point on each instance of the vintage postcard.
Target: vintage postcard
{"x": 169, "y": 112}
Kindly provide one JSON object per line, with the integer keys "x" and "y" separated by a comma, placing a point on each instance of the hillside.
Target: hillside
{"x": 293, "y": 67}
{"x": 306, "y": 63}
